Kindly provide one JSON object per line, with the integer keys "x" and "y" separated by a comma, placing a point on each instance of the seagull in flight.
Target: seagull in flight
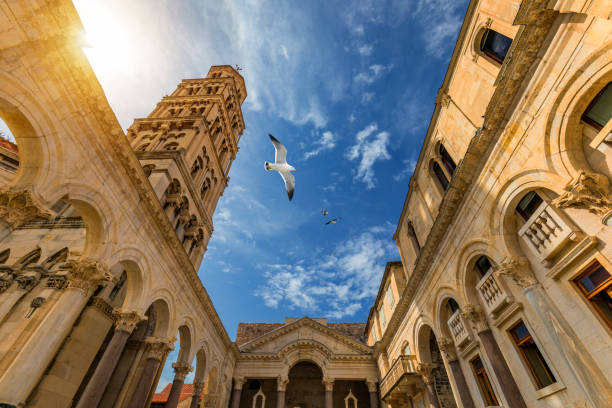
{"x": 281, "y": 165}
{"x": 324, "y": 212}
{"x": 333, "y": 221}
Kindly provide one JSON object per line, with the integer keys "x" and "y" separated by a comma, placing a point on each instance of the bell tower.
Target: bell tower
{"x": 186, "y": 146}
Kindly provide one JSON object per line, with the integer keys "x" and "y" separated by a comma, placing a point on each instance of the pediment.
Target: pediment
{"x": 305, "y": 331}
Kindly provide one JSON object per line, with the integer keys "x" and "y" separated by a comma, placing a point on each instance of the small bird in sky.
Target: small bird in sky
{"x": 333, "y": 221}
{"x": 281, "y": 165}
{"x": 324, "y": 212}
{"x": 238, "y": 68}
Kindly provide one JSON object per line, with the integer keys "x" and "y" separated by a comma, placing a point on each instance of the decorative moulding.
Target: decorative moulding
{"x": 586, "y": 245}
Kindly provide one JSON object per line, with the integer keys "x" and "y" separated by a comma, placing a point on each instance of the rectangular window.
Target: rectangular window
{"x": 381, "y": 315}
{"x": 483, "y": 382}
{"x": 596, "y": 285}
{"x": 390, "y": 296}
{"x": 528, "y": 349}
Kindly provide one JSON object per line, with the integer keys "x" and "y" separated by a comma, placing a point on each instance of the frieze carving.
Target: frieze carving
{"x": 56, "y": 282}
{"x": 447, "y": 347}
{"x": 476, "y": 317}
{"x": 127, "y": 321}
{"x": 518, "y": 270}
{"x": 181, "y": 370}
{"x": 27, "y": 282}
{"x": 588, "y": 191}
{"x": 426, "y": 371}
{"x": 19, "y": 206}
{"x": 86, "y": 274}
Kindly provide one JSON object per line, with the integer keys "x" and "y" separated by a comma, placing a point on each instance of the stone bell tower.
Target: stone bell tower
{"x": 186, "y": 146}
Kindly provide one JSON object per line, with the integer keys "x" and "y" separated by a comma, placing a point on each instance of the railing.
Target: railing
{"x": 494, "y": 293}
{"x": 458, "y": 328}
{"x": 545, "y": 232}
{"x": 404, "y": 364}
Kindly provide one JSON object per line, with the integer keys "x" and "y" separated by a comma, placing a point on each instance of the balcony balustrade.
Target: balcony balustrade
{"x": 402, "y": 366}
{"x": 458, "y": 329}
{"x": 494, "y": 293}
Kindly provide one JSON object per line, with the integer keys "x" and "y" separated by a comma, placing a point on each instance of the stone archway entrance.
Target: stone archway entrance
{"x": 305, "y": 388}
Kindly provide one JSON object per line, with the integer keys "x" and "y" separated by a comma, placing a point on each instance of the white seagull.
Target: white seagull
{"x": 281, "y": 165}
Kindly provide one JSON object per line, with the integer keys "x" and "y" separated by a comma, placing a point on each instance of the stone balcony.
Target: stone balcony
{"x": 494, "y": 293}
{"x": 546, "y": 232}
{"x": 459, "y": 329}
{"x": 401, "y": 380}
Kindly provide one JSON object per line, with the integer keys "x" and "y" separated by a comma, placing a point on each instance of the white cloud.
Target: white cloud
{"x": 409, "y": 165}
{"x": 352, "y": 118}
{"x": 365, "y": 49}
{"x": 326, "y": 142}
{"x": 285, "y": 53}
{"x": 441, "y": 20}
{"x": 338, "y": 284}
{"x": 373, "y": 73}
{"x": 369, "y": 152}
{"x": 367, "y": 97}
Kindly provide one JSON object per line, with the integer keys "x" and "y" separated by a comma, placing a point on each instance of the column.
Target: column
{"x": 329, "y": 392}
{"x": 238, "y": 383}
{"x": 281, "y": 388}
{"x": 372, "y": 386}
{"x": 25, "y": 371}
{"x": 447, "y": 347}
{"x": 576, "y": 356}
{"x": 181, "y": 370}
{"x": 198, "y": 386}
{"x": 157, "y": 348}
{"x": 125, "y": 323}
{"x": 506, "y": 381}
{"x": 426, "y": 372}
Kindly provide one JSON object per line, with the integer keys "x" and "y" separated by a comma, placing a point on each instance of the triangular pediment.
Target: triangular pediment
{"x": 305, "y": 330}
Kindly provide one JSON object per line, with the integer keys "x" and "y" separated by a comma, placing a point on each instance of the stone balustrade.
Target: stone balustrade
{"x": 458, "y": 328}
{"x": 403, "y": 365}
{"x": 545, "y": 232}
{"x": 494, "y": 293}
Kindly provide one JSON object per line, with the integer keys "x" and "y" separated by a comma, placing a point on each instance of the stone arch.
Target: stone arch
{"x": 502, "y": 223}
{"x": 442, "y": 315}
{"x": 201, "y": 362}
{"x": 133, "y": 262}
{"x": 161, "y": 315}
{"x": 211, "y": 384}
{"x": 186, "y": 333}
{"x": 305, "y": 350}
{"x": 56, "y": 258}
{"x": 563, "y": 135}
{"x": 29, "y": 258}
{"x": 467, "y": 259}
{"x": 422, "y": 330}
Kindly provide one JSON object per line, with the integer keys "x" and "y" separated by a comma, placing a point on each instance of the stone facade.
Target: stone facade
{"x": 507, "y": 218}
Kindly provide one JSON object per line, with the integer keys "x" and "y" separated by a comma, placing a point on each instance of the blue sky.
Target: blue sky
{"x": 349, "y": 89}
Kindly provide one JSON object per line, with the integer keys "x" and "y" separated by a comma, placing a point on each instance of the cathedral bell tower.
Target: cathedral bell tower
{"x": 186, "y": 146}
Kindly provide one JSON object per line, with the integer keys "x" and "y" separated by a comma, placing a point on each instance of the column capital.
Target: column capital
{"x": 447, "y": 347}
{"x": 476, "y": 317}
{"x": 86, "y": 274}
{"x": 329, "y": 383}
{"x": 426, "y": 372}
{"x": 181, "y": 370}
{"x": 372, "y": 385}
{"x": 198, "y": 386}
{"x": 239, "y": 382}
{"x": 281, "y": 383}
{"x": 518, "y": 269}
{"x": 127, "y": 320}
{"x": 158, "y": 348}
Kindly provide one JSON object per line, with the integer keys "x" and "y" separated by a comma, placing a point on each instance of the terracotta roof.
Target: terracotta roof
{"x": 250, "y": 331}
{"x": 8, "y": 145}
{"x": 162, "y": 396}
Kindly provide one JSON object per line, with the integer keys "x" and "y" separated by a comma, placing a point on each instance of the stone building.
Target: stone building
{"x": 503, "y": 296}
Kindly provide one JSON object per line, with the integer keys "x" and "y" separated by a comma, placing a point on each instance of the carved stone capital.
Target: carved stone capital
{"x": 158, "y": 349}
{"x": 372, "y": 385}
{"x": 5, "y": 284}
{"x": 518, "y": 270}
{"x": 198, "y": 387}
{"x": 476, "y": 317}
{"x": 447, "y": 347}
{"x": 127, "y": 320}
{"x": 588, "y": 191}
{"x": 181, "y": 370}
{"x": 281, "y": 383}
{"x": 56, "y": 282}
{"x": 426, "y": 371}
{"x": 27, "y": 282}
{"x": 239, "y": 382}
{"x": 19, "y": 206}
{"x": 86, "y": 274}
{"x": 328, "y": 383}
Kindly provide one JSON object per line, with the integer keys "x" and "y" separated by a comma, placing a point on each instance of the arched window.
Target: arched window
{"x": 29, "y": 258}
{"x": 197, "y": 166}
{"x": 350, "y": 401}
{"x": 482, "y": 266}
{"x": 452, "y": 306}
{"x": 528, "y": 205}
{"x": 437, "y": 169}
{"x": 171, "y": 146}
{"x": 447, "y": 160}
{"x": 56, "y": 258}
{"x": 414, "y": 238}
{"x": 495, "y": 45}
{"x": 599, "y": 111}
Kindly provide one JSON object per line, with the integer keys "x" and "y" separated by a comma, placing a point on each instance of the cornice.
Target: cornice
{"x": 179, "y": 160}
{"x": 536, "y": 21}
{"x": 305, "y": 321}
{"x": 91, "y": 96}
{"x": 303, "y": 344}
